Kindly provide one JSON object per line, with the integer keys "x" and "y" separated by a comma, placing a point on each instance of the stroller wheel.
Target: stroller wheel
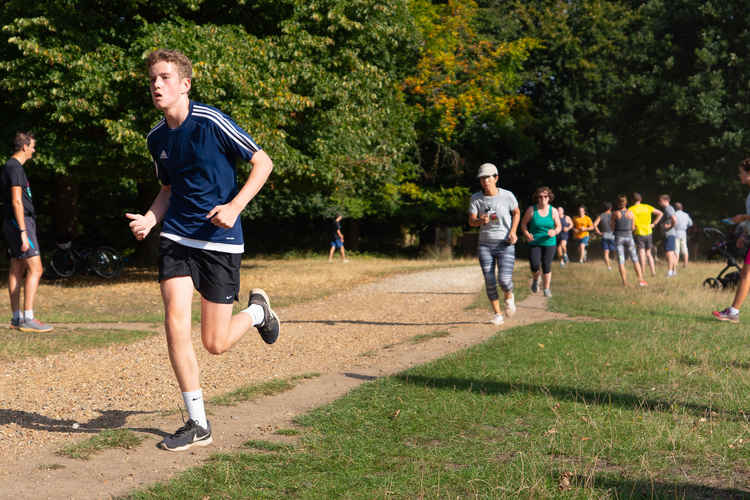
{"x": 712, "y": 283}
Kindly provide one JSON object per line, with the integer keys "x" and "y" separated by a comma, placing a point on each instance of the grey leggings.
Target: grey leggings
{"x": 502, "y": 255}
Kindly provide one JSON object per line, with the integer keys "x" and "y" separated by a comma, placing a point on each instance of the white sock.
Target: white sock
{"x": 196, "y": 410}
{"x": 16, "y": 315}
{"x": 255, "y": 312}
{"x": 28, "y": 314}
{"x": 734, "y": 311}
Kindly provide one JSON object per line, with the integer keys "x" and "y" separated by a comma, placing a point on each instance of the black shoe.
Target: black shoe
{"x": 269, "y": 329}
{"x": 187, "y": 436}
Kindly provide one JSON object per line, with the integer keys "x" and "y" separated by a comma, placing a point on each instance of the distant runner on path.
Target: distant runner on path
{"x": 566, "y": 224}
{"x": 603, "y": 227}
{"x": 194, "y": 148}
{"x": 541, "y": 224}
{"x": 495, "y": 212}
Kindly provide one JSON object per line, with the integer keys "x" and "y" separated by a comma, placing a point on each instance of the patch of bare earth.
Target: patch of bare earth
{"x": 348, "y": 338}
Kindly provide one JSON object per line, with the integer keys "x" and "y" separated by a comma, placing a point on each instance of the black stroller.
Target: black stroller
{"x": 725, "y": 246}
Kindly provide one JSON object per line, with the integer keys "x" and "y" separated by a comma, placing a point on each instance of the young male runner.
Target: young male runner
{"x": 194, "y": 148}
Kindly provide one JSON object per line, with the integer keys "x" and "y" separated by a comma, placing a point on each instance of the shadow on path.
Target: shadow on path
{"x": 108, "y": 419}
{"x": 604, "y": 398}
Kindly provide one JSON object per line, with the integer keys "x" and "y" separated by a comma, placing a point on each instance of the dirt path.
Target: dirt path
{"x": 348, "y": 338}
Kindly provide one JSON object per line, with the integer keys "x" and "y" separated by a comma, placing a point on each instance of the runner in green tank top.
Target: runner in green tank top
{"x": 540, "y": 225}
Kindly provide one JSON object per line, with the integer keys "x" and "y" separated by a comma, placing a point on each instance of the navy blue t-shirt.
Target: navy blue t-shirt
{"x": 197, "y": 160}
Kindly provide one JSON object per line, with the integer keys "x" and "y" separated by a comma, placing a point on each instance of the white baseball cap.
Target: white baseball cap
{"x": 487, "y": 169}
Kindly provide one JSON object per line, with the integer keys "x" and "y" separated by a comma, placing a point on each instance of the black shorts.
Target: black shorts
{"x": 644, "y": 241}
{"x": 12, "y": 235}
{"x": 216, "y": 275}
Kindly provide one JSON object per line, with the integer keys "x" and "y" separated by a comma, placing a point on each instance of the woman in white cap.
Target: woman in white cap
{"x": 495, "y": 211}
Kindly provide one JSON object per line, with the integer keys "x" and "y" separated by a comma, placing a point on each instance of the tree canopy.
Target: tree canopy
{"x": 384, "y": 108}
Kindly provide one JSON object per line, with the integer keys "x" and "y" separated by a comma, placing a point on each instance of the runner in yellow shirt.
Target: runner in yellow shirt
{"x": 643, "y": 229}
{"x": 582, "y": 224}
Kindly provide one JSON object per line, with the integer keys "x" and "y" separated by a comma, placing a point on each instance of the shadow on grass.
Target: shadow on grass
{"x": 643, "y": 488}
{"x": 605, "y": 398}
{"x": 108, "y": 419}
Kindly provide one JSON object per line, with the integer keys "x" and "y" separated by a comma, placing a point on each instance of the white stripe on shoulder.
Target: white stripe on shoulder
{"x": 232, "y": 130}
{"x": 157, "y": 126}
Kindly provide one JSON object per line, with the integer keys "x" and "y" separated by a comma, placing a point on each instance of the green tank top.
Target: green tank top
{"x": 538, "y": 227}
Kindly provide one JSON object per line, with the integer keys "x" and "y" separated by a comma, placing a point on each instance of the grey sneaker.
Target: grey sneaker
{"x": 34, "y": 326}
{"x": 547, "y": 292}
{"x": 270, "y": 328}
{"x": 187, "y": 436}
{"x": 15, "y": 324}
{"x": 726, "y": 315}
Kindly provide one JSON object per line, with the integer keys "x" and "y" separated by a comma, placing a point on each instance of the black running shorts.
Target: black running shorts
{"x": 216, "y": 275}
{"x": 12, "y": 235}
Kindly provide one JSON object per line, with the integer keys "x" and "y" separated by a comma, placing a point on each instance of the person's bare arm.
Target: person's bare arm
{"x": 524, "y": 224}
{"x": 226, "y": 215}
{"x": 141, "y": 225}
{"x": 513, "y": 235}
{"x": 659, "y": 214}
{"x": 16, "y": 200}
{"x": 596, "y": 225}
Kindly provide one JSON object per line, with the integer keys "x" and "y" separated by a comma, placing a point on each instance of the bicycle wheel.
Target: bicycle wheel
{"x": 63, "y": 263}
{"x": 106, "y": 262}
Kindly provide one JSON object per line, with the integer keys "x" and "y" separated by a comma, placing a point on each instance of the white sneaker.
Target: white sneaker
{"x": 547, "y": 292}
{"x": 497, "y": 319}
{"x": 510, "y": 307}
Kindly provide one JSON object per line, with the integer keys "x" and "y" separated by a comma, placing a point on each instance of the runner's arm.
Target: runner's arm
{"x": 141, "y": 225}
{"x": 524, "y": 223}
{"x": 16, "y": 200}
{"x": 659, "y": 215}
{"x": 226, "y": 215}
{"x": 513, "y": 235}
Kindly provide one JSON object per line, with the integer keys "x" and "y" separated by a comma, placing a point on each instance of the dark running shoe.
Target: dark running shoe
{"x": 269, "y": 329}
{"x": 15, "y": 324}
{"x": 187, "y": 436}
{"x": 726, "y": 315}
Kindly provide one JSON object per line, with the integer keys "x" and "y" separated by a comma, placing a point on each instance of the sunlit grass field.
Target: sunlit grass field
{"x": 642, "y": 396}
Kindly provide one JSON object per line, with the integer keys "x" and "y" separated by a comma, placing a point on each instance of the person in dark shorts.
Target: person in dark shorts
{"x": 338, "y": 240}
{"x": 644, "y": 228}
{"x": 566, "y": 224}
{"x": 194, "y": 148}
{"x": 603, "y": 227}
{"x": 541, "y": 224}
{"x": 19, "y": 230}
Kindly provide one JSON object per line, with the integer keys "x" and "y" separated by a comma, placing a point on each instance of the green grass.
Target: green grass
{"x": 15, "y": 345}
{"x": 250, "y": 392}
{"x": 113, "y": 438}
{"x": 648, "y": 400}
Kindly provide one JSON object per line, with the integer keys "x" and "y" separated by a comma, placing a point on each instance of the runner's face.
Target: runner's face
{"x": 744, "y": 176}
{"x": 488, "y": 183}
{"x": 167, "y": 88}
{"x": 30, "y": 149}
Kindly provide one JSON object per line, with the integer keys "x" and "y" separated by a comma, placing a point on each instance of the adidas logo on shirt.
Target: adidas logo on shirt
{"x": 163, "y": 155}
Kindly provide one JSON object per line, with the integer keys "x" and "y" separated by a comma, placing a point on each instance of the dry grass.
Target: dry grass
{"x": 136, "y": 297}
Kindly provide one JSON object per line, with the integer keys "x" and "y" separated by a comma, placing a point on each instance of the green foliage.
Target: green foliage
{"x": 319, "y": 91}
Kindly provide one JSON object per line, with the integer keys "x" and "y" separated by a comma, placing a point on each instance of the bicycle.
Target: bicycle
{"x": 104, "y": 261}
